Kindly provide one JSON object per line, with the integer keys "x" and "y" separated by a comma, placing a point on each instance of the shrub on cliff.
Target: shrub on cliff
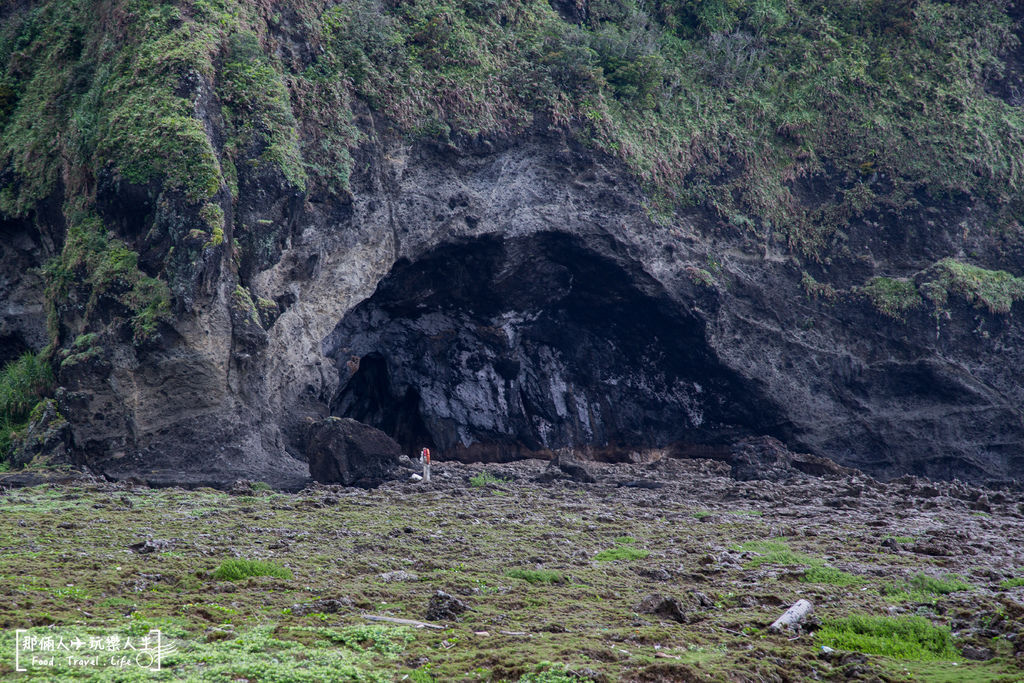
{"x": 23, "y": 382}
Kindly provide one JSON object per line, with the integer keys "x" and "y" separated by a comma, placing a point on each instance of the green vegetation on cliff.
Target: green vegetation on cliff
{"x": 23, "y": 382}
{"x": 732, "y": 103}
{"x": 785, "y": 118}
{"x": 994, "y": 290}
{"x": 107, "y": 272}
{"x": 893, "y": 297}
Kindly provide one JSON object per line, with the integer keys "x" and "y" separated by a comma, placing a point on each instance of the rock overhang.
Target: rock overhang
{"x": 495, "y": 347}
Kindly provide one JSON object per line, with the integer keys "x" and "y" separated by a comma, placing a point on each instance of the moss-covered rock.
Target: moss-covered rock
{"x": 46, "y": 437}
{"x": 893, "y": 297}
{"x": 994, "y": 290}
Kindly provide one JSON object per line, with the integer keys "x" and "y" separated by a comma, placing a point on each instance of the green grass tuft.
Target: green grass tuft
{"x": 766, "y": 546}
{"x": 831, "y": 576}
{"x": 893, "y": 297}
{"x": 939, "y": 586}
{"x": 235, "y": 570}
{"x": 901, "y": 539}
{"x": 995, "y": 290}
{"x": 485, "y": 479}
{"x": 536, "y": 575}
{"x": 547, "y": 672}
{"x": 23, "y": 383}
{"x": 621, "y": 553}
{"x": 1015, "y": 582}
{"x": 775, "y": 551}
{"x": 913, "y": 638}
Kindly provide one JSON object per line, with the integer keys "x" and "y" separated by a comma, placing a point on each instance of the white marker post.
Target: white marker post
{"x": 425, "y": 460}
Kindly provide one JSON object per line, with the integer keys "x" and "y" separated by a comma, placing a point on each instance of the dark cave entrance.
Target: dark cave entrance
{"x": 367, "y": 397}
{"x": 493, "y": 349}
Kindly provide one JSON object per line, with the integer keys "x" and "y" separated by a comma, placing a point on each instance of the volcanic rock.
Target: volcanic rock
{"x": 664, "y": 606}
{"x": 443, "y": 606}
{"x": 565, "y": 466}
{"x": 344, "y": 451}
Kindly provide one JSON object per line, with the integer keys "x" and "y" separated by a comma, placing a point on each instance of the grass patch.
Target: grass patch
{"x": 900, "y": 539}
{"x": 22, "y": 383}
{"x": 621, "y": 553}
{"x": 1016, "y": 582}
{"x": 485, "y": 479}
{"x": 536, "y": 575}
{"x": 831, "y": 576}
{"x": 546, "y": 672}
{"x": 913, "y": 638}
{"x": 995, "y": 290}
{"x": 775, "y": 551}
{"x": 235, "y": 570}
{"x": 945, "y": 585}
{"x": 925, "y": 589}
{"x": 767, "y": 546}
{"x": 892, "y": 297}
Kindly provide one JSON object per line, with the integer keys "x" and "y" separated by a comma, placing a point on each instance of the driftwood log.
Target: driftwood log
{"x": 792, "y": 617}
{"x": 404, "y": 622}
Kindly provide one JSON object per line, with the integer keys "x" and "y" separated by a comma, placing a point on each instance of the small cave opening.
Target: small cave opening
{"x": 493, "y": 348}
{"x": 367, "y": 397}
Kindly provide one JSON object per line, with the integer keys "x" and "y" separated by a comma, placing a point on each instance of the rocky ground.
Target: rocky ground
{"x": 669, "y": 570}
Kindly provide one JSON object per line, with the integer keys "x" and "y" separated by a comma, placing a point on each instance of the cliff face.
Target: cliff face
{"x": 239, "y": 222}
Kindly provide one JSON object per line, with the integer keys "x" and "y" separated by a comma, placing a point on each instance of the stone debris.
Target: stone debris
{"x": 444, "y": 607}
{"x": 151, "y": 545}
{"x": 321, "y": 606}
{"x": 666, "y": 607}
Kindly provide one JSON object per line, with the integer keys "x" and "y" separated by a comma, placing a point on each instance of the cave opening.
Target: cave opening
{"x": 368, "y": 398}
{"x": 492, "y": 349}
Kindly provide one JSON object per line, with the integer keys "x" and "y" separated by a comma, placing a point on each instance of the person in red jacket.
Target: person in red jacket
{"x": 425, "y": 460}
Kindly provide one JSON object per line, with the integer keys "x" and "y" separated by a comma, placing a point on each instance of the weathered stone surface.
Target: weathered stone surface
{"x": 22, "y": 310}
{"x": 321, "y": 605}
{"x": 344, "y": 451}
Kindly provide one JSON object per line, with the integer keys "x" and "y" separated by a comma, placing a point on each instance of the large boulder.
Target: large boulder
{"x": 46, "y": 439}
{"x": 764, "y": 457}
{"x": 344, "y": 451}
